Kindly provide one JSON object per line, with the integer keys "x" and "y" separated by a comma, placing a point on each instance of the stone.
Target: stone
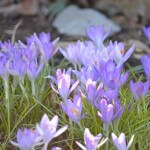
{"x": 130, "y": 8}
{"x": 74, "y": 21}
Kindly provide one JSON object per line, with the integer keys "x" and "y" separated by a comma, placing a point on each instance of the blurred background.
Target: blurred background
{"x": 69, "y": 19}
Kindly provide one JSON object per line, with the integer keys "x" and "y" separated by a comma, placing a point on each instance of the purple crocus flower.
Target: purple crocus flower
{"x": 119, "y": 52}
{"x": 110, "y": 74}
{"x": 48, "y": 129}
{"x": 109, "y": 112}
{"x": 73, "y": 109}
{"x": 88, "y": 72}
{"x": 17, "y": 68}
{"x": 27, "y": 139}
{"x": 145, "y": 62}
{"x": 120, "y": 142}
{"x": 146, "y": 31}
{"x": 91, "y": 142}
{"x": 139, "y": 89}
{"x": 47, "y": 48}
{"x": 110, "y": 95}
{"x": 4, "y": 70}
{"x": 74, "y": 52}
{"x": 63, "y": 82}
{"x": 33, "y": 70}
{"x": 93, "y": 92}
{"x": 97, "y": 35}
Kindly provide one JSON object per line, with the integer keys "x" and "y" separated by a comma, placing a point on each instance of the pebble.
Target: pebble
{"x": 74, "y": 21}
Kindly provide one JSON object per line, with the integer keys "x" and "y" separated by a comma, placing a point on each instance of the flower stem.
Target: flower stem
{"x": 106, "y": 129}
{"x": 33, "y": 88}
{"x": 6, "y": 87}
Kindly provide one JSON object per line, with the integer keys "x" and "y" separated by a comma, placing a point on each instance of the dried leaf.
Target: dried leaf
{"x": 25, "y": 7}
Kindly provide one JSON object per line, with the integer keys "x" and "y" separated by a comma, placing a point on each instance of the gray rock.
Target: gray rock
{"x": 74, "y": 21}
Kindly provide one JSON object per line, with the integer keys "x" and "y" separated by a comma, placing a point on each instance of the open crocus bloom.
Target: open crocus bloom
{"x": 109, "y": 112}
{"x": 73, "y": 109}
{"x": 120, "y": 142}
{"x": 139, "y": 89}
{"x": 91, "y": 142}
{"x": 119, "y": 52}
{"x": 63, "y": 82}
{"x": 27, "y": 139}
{"x": 98, "y": 35}
{"x": 48, "y": 128}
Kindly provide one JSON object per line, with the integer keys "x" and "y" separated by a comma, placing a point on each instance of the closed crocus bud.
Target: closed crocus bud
{"x": 27, "y": 139}
{"x": 73, "y": 109}
{"x": 120, "y": 142}
{"x": 33, "y": 70}
{"x": 139, "y": 89}
{"x": 91, "y": 142}
{"x": 145, "y": 62}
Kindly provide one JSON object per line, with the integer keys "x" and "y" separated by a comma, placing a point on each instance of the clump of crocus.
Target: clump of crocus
{"x": 73, "y": 109}
{"x": 146, "y": 31}
{"x": 27, "y": 139}
{"x": 139, "y": 89}
{"x": 98, "y": 35}
{"x": 47, "y": 129}
{"x": 145, "y": 62}
{"x": 63, "y": 82}
{"x": 120, "y": 142}
{"x": 109, "y": 112}
{"x": 91, "y": 142}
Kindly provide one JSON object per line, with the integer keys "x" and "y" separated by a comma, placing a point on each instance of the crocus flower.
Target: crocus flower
{"x": 33, "y": 70}
{"x": 47, "y": 48}
{"x": 108, "y": 112}
{"x": 139, "y": 89}
{"x": 119, "y": 52}
{"x": 48, "y": 129}
{"x": 110, "y": 75}
{"x": 73, "y": 109}
{"x": 4, "y": 70}
{"x": 120, "y": 142}
{"x": 88, "y": 72}
{"x": 91, "y": 142}
{"x": 146, "y": 31}
{"x": 93, "y": 92}
{"x": 73, "y": 52}
{"x": 145, "y": 62}
{"x": 17, "y": 68}
{"x": 63, "y": 82}
{"x": 97, "y": 35}
{"x": 27, "y": 139}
